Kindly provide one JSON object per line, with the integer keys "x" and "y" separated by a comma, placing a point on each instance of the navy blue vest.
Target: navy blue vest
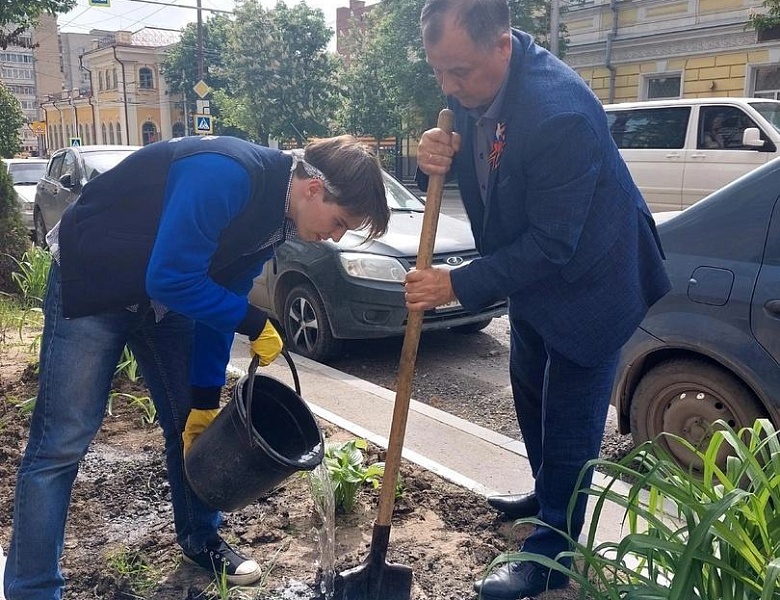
{"x": 107, "y": 235}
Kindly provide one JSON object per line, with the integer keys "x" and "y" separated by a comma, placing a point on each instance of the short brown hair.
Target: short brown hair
{"x": 354, "y": 171}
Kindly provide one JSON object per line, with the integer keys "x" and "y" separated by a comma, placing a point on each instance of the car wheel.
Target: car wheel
{"x": 684, "y": 397}
{"x": 306, "y": 324}
{"x": 474, "y": 327}
{"x": 40, "y": 230}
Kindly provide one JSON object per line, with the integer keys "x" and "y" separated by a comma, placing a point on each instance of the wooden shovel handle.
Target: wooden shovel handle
{"x": 403, "y": 391}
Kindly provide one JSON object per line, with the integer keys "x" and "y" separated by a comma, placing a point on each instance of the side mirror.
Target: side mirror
{"x": 66, "y": 181}
{"x": 751, "y": 138}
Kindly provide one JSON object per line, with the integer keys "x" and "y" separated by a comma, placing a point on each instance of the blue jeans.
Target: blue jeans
{"x": 561, "y": 408}
{"x": 77, "y": 364}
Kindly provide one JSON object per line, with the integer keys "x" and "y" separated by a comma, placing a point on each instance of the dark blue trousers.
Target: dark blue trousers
{"x": 561, "y": 408}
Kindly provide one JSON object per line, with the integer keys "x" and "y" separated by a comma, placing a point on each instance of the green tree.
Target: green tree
{"x": 14, "y": 239}
{"x": 765, "y": 20}
{"x": 279, "y": 71}
{"x": 180, "y": 68}
{"x": 17, "y": 16}
{"x": 367, "y": 104}
{"x": 12, "y": 121}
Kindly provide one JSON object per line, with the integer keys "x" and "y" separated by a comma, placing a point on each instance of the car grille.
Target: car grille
{"x": 450, "y": 259}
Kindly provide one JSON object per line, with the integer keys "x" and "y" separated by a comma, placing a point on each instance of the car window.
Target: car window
{"x": 69, "y": 165}
{"x": 662, "y": 128}
{"x": 96, "y": 163}
{"x": 400, "y": 198}
{"x": 721, "y": 128}
{"x": 27, "y": 173}
{"x": 55, "y": 166}
{"x": 770, "y": 111}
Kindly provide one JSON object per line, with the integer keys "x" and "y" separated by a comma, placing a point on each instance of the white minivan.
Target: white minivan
{"x": 679, "y": 151}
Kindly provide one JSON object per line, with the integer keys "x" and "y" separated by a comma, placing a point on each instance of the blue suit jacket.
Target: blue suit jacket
{"x": 564, "y": 232}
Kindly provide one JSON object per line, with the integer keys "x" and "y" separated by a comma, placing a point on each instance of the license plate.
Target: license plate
{"x": 454, "y": 305}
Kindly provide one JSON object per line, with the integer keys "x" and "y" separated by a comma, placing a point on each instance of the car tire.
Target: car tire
{"x": 40, "y": 230}
{"x": 307, "y": 326}
{"x": 473, "y": 327}
{"x": 684, "y": 397}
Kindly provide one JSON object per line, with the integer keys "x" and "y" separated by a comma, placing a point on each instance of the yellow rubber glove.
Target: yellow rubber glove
{"x": 268, "y": 345}
{"x": 197, "y": 421}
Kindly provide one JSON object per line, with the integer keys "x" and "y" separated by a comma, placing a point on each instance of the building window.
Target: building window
{"x": 663, "y": 86}
{"x": 149, "y": 133}
{"x": 178, "y": 129}
{"x": 111, "y": 133}
{"x": 145, "y": 78}
{"x": 767, "y": 83}
{"x": 103, "y": 132}
{"x": 108, "y": 80}
{"x": 100, "y": 81}
{"x": 118, "y": 134}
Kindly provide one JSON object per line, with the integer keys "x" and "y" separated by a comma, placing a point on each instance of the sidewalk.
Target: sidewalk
{"x": 468, "y": 455}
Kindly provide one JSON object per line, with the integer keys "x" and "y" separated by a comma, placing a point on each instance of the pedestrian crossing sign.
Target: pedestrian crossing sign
{"x": 203, "y": 124}
{"x": 100, "y": 2}
{"x": 75, "y": 141}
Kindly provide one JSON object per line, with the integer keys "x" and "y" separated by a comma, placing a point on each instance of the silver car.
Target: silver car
{"x": 25, "y": 173}
{"x": 69, "y": 169}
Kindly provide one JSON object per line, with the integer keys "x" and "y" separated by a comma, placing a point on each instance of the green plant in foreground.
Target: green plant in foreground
{"x": 128, "y": 366}
{"x": 144, "y": 403}
{"x": 348, "y": 471}
{"x": 132, "y": 567}
{"x": 716, "y": 537}
{"x": 32, "y": 275}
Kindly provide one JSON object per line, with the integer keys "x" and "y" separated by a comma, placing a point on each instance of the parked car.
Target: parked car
{"x": 25, "y": 173}
{"x": 68, "y": 170}
{"x": 710, "y": 349}
{"x": 324, "y": 292}
{"x": 679, "y": 151}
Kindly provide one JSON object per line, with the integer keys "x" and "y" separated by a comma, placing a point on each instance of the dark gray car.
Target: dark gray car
{"x": 325, "y": 292}
{"x": 711, "y": 348}
{"x": 68, "y": 170}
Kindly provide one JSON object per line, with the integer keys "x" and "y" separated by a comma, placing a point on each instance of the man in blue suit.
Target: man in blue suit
{"x": 562, "y": 231}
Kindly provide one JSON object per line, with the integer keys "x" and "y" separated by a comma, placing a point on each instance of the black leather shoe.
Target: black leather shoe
{"x": 518, "y": 580}
{"x": 516, "y": 506}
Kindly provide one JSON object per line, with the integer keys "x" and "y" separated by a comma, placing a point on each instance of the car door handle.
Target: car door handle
{"x": 673, "y": 155}
{"x": 772, "y": 307}
{"x": 698, "y": 155}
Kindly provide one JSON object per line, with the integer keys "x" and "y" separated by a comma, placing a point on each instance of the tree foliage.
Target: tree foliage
{"x": 17, "y": 16}
{"x": 368, "y": 104}
{"x": 180, "y": 68}
{"x": 12, "y": 121}
{"x": 765, "y": 19}
{"x": 280, "y": 72}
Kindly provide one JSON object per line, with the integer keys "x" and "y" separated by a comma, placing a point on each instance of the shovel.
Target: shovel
{"x": 376, "y": 579}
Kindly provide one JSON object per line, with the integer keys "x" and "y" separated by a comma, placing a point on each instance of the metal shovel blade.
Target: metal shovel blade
{"x": 375, "y": 579}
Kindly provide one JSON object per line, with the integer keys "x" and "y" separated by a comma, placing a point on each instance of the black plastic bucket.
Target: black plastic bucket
{"x": 237, "y": 460}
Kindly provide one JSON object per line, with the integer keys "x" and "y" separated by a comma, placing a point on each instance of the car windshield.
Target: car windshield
{"x": 27, "y": 173}
{"x": 399, "y": 198}
{"x": 96, "y": 163}
{"x": 770, "y": 111}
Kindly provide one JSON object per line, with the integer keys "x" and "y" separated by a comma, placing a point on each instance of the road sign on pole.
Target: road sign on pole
{"x": 38, "y": 127}
{"x": 105, "y": 3}
{"x": 203, "y": 124}
{"x": 75, "y": 141}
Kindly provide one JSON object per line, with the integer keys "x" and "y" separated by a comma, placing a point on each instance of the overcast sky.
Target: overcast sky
{"x": 129, "y": 15}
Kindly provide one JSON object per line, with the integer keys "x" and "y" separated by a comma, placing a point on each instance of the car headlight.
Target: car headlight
{"x": 372, "y": 266}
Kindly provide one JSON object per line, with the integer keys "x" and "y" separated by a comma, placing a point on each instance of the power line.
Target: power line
{"x": 216, "y": 10}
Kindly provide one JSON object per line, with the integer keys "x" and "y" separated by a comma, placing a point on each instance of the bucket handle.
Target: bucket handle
{"x": 250, "y": 387}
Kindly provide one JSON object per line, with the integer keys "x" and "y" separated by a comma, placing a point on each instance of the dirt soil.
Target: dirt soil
{"x": 120, "y": 542}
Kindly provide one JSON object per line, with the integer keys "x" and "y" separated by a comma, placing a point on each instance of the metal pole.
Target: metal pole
{"x": 555, "y": 19}
{"x": 200, "y": 43}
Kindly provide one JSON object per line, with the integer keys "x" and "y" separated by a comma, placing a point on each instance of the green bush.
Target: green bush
{"x": 710, "y": 537}
{"x": 14, "y": 238}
